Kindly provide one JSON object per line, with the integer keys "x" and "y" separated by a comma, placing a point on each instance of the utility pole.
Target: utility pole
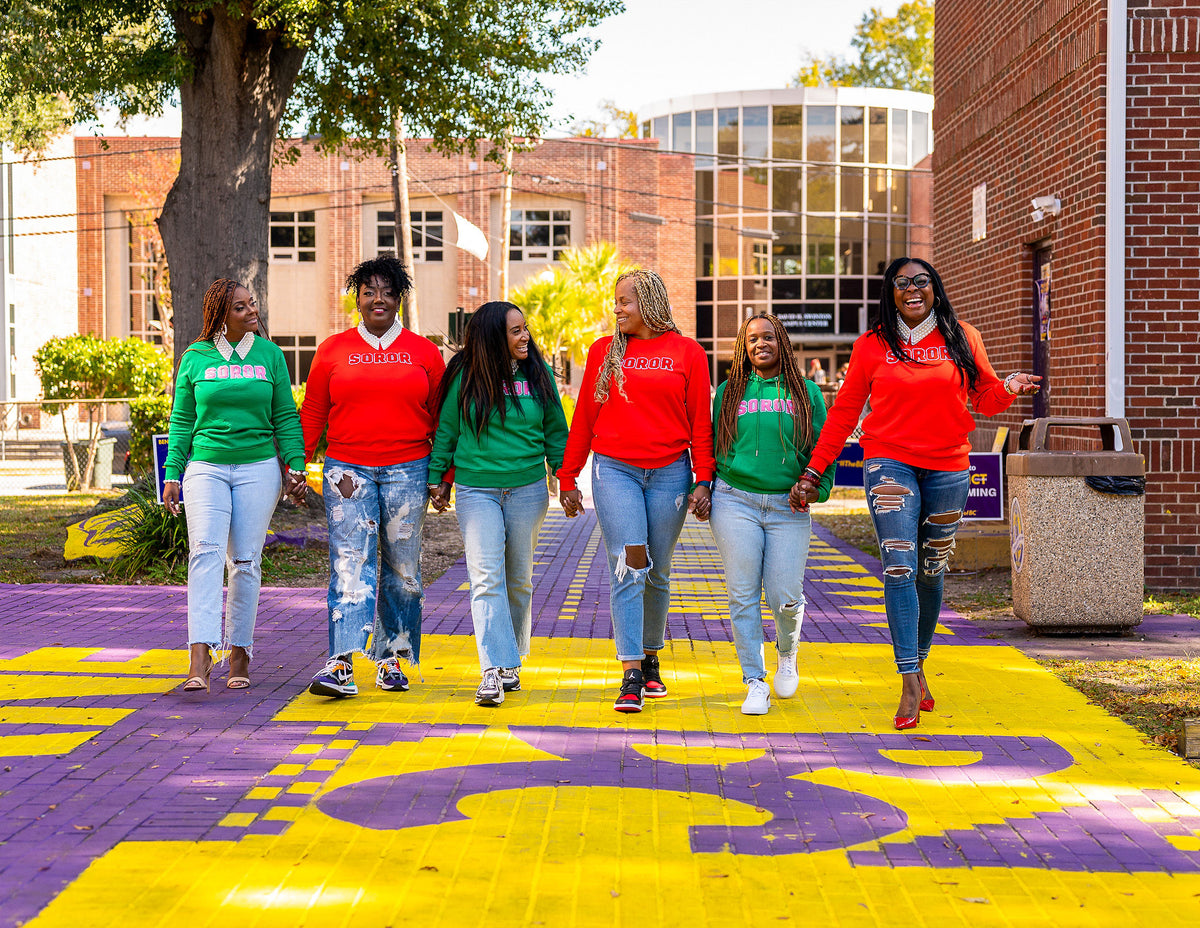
{"x": 403, "y": 220}
{"x": 506, "y": 219}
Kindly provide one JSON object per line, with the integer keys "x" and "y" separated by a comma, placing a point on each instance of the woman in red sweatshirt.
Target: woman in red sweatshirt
{"x": 917, "y": 365}
{"x": 644, "y": 413}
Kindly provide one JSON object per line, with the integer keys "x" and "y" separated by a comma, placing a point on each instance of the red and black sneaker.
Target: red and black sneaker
{"x": 632, "y": 690}
{"x": 654, "y": 684}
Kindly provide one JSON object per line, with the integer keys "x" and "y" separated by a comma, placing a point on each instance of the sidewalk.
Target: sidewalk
{"x": 126, "y": 802}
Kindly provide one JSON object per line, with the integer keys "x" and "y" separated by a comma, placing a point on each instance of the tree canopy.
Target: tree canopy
{"x": 893, "y": 51}
{"x": 248, "y": 72}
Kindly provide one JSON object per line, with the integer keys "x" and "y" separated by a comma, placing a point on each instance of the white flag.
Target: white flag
{"x": 470, "y": 238}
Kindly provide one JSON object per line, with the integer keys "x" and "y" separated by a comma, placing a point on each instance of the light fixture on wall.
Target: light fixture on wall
{"x": 1043, "y": 207}
{"x": 649, "y": 217}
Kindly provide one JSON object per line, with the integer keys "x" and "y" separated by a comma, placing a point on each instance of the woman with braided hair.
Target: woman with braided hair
{"x": 767, "y": 418}
{"x": 643, "y": 411}
{"x": 233, "y": 405}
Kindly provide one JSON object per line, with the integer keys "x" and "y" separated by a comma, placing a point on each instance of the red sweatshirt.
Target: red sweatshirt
{"x": 381, "y": 406}
{"x": 918, "y": 411}
{"x": 666, "y": 409}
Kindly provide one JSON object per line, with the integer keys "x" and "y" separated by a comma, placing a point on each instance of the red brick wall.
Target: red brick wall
{"x": 1020, "y": 97}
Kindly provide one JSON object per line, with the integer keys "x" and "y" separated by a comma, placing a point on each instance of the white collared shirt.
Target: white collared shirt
{"x": 917, "y": 335}
{"x": 221, "y": 343}
{"x": 380, "y": 342}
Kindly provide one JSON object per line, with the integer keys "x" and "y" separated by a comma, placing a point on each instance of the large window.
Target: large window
{"x": 294, "y": 236}
{"x": 539, "y": 234}
{"x": 147, "y": 265}
{"x": 428, "y": 233}
{"x": 298, "y": 354}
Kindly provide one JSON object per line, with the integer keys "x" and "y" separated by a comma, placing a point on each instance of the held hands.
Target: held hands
{"x": 700, "y": 503}
{"x": 571, "y": 502}
{"x": 296, "y": 488}
{"x": 803, "y": 492}
{"x": 1022, "y": 384}
{"x": 439, "y": 495}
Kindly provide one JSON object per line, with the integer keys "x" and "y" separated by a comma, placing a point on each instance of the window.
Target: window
{"x": 298, "y": 354}
{"x": 539, "y": 234}
{"x": 294, "y": 236}
{"x": 147, "y": 265}
{"x": 428, "y": 233}
{"x": 12, "y": 350}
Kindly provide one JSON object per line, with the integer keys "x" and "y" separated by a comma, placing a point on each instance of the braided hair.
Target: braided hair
{"x": 803, "y": 436}
{"x": 487, "y": 369}
{"x": 655, "y": 308}
{"x": 218, "y": 300}
{"x": 885, "y": 326}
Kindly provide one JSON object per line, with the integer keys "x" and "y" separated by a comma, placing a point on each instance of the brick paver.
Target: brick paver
{"x": 127, "y": 802}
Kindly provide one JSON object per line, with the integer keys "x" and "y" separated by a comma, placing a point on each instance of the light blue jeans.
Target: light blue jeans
{"x": 229, "y": 508}
{"x": 640, "y": 506}
{"x": 914, "y": 550}
{"x": 764, "y": 547}
{"x": 500, "y": 529}
{"x": 375, "y": 557}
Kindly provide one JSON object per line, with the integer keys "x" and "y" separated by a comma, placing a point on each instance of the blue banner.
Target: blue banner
{"x": 159, "y": 444}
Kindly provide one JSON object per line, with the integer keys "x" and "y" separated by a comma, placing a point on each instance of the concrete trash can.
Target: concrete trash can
{"x": 102, "y": 470}
{"x": 1078, "y": 561}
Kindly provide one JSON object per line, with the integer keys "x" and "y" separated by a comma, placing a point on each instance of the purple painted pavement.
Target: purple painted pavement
{"x": 176, "y": 766}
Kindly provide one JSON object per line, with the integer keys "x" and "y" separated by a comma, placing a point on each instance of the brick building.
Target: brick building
{"x": 1094, "y": 108}
{"x": 330, "y": 212}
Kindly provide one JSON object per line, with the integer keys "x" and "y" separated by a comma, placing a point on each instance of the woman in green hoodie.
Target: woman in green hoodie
{"x": 766, "y": 418}
{"x": 501, "y": 422}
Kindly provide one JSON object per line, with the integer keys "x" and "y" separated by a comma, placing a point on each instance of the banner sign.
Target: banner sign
{"x": 159, "y": 444}
{"x": 985, "y": 498}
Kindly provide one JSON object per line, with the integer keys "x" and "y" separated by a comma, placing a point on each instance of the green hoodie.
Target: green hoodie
{"x": 512, "y": 455}
{"x": 763, "y": 458}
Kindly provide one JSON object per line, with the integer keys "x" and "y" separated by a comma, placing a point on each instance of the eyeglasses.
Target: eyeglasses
{"x": 920, "y": 282}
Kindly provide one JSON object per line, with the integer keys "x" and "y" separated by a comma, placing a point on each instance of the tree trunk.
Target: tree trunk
{"x": 402, "y": 215}
{"x": 242, "y": 77}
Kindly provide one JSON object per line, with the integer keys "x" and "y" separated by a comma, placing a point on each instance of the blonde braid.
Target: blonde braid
{"x": 655, "y": 308}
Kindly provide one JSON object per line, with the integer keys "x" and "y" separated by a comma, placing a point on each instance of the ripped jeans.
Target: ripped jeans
{"x": 375, "y": 555}
{"x": 764, "y": 548}
{"x": 229, "y": 507}
{"x": 636, "y": 506}
{"x": 916, "y": 513}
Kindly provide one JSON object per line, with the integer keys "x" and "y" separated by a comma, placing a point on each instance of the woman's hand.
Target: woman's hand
{"x": 803, "y": 492}
{"x": 171, "y": 494}
{"x": 296, "y": 488}
{"x": 700, "y": 503}
{"x": 439, "y": 496}
{"x": 1022, "y": 384}
{"x": 571, "y": 502}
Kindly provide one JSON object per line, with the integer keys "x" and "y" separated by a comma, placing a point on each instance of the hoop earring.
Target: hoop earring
{"x": 224, "y": 329}
{"x": 937, "y": 301}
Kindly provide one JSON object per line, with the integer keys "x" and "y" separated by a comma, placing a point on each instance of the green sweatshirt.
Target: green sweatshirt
{"x": 763, "y": 458}
{"x": 512, "y": 455}
{"x": 232, "y": 412}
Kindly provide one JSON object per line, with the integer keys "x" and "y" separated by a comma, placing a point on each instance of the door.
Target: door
{"x": 1041, "y": 330}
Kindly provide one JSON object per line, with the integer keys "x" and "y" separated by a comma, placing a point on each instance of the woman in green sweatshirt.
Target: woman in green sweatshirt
{"x": 501, "y": 422}
{"x": 766, "y": 418}
{"x": 233, "y": 404}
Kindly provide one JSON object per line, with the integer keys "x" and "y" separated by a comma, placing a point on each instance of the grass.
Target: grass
{"x": 32, "y": 531}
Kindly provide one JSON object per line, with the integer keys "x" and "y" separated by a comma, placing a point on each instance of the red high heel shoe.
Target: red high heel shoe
{"x": 907, "y": 721}
{"x": 926, "y": 700}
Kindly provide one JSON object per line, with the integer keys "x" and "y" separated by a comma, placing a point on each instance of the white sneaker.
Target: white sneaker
{"x": 758, "y": 698}
{"x": 786, "y": 677}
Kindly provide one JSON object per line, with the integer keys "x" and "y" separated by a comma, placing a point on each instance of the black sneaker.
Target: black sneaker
{"x": 511, "y": 678}
{"x": 632, "y": 690}
{"x": 654, "y": 684}
{"x": 335, "y": 679}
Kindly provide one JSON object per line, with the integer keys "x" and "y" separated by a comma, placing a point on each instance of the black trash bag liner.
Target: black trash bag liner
{"x": 1118, "y": 486}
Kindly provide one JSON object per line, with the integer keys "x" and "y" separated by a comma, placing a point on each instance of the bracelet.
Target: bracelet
{"x": 172, "y": 480}
{"x": 297, "y": 473}
{"x": 813, "y": 475}
{"x": 1008, "y": 380}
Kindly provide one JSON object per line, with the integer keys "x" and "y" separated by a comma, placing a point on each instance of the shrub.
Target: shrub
{"x": 156, "y": 542}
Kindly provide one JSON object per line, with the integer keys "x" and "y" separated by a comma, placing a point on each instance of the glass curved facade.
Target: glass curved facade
{"x": 803, "y": 196}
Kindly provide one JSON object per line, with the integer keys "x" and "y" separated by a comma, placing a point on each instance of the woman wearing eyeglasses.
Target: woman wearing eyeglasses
{"x": 917, "y": 365}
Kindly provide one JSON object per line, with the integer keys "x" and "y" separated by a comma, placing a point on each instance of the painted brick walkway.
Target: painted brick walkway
{"x": 126, "y": 802}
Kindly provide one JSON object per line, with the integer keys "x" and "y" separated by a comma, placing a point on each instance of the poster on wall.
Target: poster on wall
{"x": 1042, "y": 288}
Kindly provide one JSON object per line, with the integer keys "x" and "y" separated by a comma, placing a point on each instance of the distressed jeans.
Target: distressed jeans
{"x": 916, "y": 513}
{"x": 500, "y": 529}
{"x": 764, "y": 548}
{"x": 640, "y": 506}
{"x": 375, "y": 557}
{"x": 229, "y": 508}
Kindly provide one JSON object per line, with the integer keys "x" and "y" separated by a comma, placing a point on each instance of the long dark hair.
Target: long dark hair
{"x": 793, "y": 382}
{"x": 947, "y": 322}
{"x": 487, "y": 370}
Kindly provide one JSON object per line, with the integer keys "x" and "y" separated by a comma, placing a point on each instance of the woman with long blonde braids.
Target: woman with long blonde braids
{"x": 767, "y": 418}
{"x": 643, "y": 412}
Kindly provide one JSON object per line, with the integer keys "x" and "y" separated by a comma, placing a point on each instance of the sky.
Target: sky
{"x": 663, "y": 48}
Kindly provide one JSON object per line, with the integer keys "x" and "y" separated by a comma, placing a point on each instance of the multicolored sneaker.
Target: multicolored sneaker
{"x": 491, "y": 689}
{"x": 511, "y": 678}
{"x": 654, "y": 683}
{"x": 336, "y": 679}
{"x": 633, "y": 689}
{"x": 389, "y": 677}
